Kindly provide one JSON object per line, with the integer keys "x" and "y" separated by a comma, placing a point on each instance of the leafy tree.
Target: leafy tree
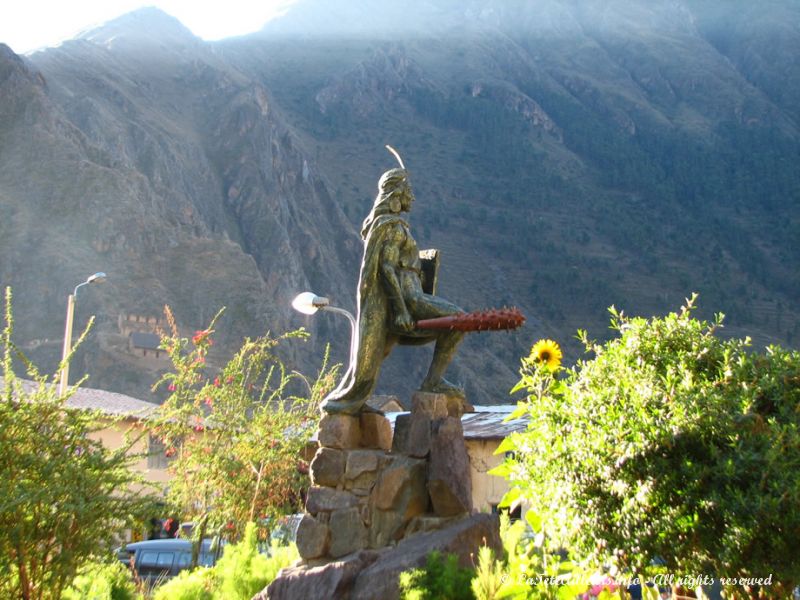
{"x": 670, "y": 445}
{"x": 63, "y": 495}
{"x": 236, "y": 436}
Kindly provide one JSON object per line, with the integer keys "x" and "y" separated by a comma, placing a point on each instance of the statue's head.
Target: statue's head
{"x": 394, "y": 192}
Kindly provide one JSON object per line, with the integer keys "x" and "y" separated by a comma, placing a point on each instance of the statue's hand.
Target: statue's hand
{"x": 403, "y": 321}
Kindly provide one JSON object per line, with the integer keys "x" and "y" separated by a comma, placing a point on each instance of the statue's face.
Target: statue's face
{"x": 406, "y": 198}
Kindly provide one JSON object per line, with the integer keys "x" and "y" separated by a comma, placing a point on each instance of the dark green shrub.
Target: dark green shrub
{"x": 672, "y": 444}
{"x": 441, "y": 579}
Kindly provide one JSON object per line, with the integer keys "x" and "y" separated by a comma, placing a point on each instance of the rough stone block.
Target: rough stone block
{"x": 449, "y": 479}
{"x": 399, "y": 495}
{"x": 330, "y": 580}
{"x": 339, "y": 431}
{"x": 371, "y": 574}
{"x": 376, "y": 431}
{"x": 433, "y": 405}
{"x": 464, "y": 538}
{"x": 313, "y": 538}
{"x": 327, "y": 467}
{"x": 348, "y": 532}
{"x": 458, "y": 406}
{"x": 424, "y": 523}
{"x": 361, "y": 461}
{"x": 323, "y": 499}
{"x": 412, "y": 435}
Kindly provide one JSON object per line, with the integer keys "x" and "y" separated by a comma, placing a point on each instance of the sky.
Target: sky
{"x": 27, "y": 25}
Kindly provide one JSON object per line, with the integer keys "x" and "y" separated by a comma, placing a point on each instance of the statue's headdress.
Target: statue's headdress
{"x": 389, "y": 183}
{"x": 393, "y": 178}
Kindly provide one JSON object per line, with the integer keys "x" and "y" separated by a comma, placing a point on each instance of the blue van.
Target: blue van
{"x": 157, "y": 560}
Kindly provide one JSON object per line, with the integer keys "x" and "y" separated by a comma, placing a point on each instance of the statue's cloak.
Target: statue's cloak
{"x": 375, "y": 339}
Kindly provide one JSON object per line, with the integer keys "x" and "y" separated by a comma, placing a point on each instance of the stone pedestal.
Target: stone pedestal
{"x": 370, "y": 489}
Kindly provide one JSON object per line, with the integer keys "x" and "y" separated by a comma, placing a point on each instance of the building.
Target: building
{"x": 123, "y": 415}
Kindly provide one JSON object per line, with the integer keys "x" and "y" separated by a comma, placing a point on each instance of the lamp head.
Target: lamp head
{"x": 308, "y": 303}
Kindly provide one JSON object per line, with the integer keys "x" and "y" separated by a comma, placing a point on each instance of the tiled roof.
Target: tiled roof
{"x": 109, "y": 403}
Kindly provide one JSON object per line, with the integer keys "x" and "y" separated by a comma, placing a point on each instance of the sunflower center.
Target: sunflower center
{"x": 544, "y": 356}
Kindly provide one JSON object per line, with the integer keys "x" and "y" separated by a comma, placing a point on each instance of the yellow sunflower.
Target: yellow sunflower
{"x": 546, "y": 353}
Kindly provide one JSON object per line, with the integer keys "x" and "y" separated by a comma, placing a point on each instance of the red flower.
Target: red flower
{"x": 209, "y": 401}
{"x": 171, "y": 387}
{"x": 201, "y": 336}
{"x": 229, "y": 379}
{"x": 217, "y": 381}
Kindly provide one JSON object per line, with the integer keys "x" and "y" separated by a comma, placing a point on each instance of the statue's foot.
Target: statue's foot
{"x": 442, "y": 387}
{"x": 343, "y": 407}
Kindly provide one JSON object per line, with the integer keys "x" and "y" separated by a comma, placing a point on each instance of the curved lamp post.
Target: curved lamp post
{"x": 96, "y": 278}
{"x": 309, "y": 303}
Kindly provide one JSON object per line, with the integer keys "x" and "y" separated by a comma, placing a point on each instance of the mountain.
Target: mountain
{"x": 567, "y": 155}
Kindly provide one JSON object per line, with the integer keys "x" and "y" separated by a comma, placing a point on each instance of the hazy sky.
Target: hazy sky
{"x": 26, "y": 25}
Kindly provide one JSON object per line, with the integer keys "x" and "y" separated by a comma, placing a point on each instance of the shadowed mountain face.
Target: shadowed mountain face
{"x": 566, "y": 156}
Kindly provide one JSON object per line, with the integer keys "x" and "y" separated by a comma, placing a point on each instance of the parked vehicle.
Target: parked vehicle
{"x": 163, "y": 559}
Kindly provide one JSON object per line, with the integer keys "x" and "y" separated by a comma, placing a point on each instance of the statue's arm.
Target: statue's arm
{"x": 389, "y": 265}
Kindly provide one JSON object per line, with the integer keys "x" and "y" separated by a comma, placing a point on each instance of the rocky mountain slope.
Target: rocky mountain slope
{"x": 567, "y": 155}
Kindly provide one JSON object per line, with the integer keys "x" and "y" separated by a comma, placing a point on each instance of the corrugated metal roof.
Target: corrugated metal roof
{"x": 486, "y": 423}
{"x": 109, "y": 403}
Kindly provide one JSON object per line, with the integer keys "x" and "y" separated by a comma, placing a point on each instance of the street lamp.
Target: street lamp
{"x": 96, "y": 278}
{"x": 309, "y": 303}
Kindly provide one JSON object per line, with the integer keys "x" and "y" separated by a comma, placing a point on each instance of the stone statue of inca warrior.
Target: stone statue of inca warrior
{"x": 393, "y": 295}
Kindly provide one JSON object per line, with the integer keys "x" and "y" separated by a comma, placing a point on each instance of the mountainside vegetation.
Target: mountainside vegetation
{"x": 566, "y": 156}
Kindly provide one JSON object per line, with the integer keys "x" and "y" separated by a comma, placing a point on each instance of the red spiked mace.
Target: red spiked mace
{"x": 483, "y": 320}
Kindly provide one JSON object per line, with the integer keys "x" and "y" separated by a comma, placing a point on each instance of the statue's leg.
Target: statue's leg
{"x": 443, "y": 353}
{"x": 426, "y": 306}
{"x": 353, "y": 399}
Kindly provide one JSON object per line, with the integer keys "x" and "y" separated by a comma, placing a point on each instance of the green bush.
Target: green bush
{"x": 527, "y": 570}
{"x": 441, "y": 579}
{"x": 670, "y": 445}
{"x": 102, "y": 581}
{"x": 241, "y": 573}
{"x": 197, "y": 584}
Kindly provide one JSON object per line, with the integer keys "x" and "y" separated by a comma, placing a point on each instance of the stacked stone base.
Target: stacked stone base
{"x": 380, "y": 503}
{"x": 370, "y": 489}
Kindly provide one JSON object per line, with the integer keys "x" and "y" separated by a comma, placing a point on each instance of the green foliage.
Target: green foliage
{"x": 441, "y": 579}
{"x": 102, "y": 581}
{"x": 236, "y": 435}
{"x": 196, "y": 584}
{"x": 528, "y": 570}
{"x": 241, "y": 573}
{"x": 671, "y": 443}
{"x": 63, "y": 495}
